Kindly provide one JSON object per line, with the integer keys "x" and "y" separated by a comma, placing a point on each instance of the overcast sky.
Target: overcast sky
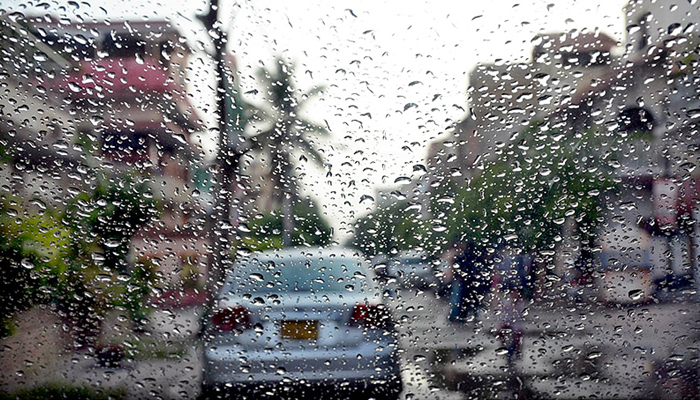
{"x": 375, "y": 58}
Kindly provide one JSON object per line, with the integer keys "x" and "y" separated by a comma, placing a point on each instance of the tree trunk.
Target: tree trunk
{"x": 288, "y": 193}
{"x": 287, "y": 220}
{"x": 220, "y": 224}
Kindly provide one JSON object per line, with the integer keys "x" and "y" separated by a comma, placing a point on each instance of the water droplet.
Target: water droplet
{"x": 501, "y": 351}
{"x": 636, "y": 294}
{"x": 74, "y": 87}
{"x": 27, "y": 264}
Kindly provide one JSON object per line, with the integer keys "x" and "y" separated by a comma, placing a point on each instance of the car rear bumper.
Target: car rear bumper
{"x": 366, "y": 364}
{"x": 388, "y": 388}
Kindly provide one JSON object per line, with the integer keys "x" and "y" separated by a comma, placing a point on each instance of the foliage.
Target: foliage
{"x": 310, "y": 228}
{"x": 16, "y": 287}
{"x": 31, "y": 255}
{"x": 138, "y": 285}
{"x": 522, "y": 197}
{"x": 102, "y": 223}
{"x": 111, "y": 215}
{"x": 539, "y": 181}
{"x": 265, "y": 231}
{"x": 283, "y": 135}
{"x": 74, "y": 255}
{"x": 283, "y": 130}
{"x": 390, "y": 229}
{"x": 148, "y": 348}
{"x": 56, "y": 392}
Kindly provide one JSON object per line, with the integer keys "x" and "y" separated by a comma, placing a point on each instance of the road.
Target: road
{"x": 569, "y": 351}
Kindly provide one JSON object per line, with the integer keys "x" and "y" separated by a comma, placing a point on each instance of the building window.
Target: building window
{"x": 122, "y": 45}
{"x": 125, "y": 147}
{"x": 635, "y": 119}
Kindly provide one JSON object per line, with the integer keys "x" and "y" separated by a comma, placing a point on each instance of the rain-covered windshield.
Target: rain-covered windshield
{"x": 510, "y": 192}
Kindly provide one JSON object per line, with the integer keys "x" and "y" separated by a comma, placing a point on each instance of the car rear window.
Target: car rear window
{"x": 297, "y": 275}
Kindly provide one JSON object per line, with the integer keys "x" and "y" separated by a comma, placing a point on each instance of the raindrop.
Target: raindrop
{"x": 636, "y": 294}
{"x": 257, "y": 277}
{"x": 693, "y": 113}
{"x": 258, "y": 301}
{"x": 74, "y": 87}
{"x": 439, "y": 228}
{"x": 96, "y": 120}
{"x": 501, "y": 351}
{"x": 111, "y": 243}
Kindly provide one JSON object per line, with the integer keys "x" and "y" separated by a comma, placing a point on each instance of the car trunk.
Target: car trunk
{"x": 298, "y": 321}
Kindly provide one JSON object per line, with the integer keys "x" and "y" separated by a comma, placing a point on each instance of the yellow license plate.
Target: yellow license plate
{"x": 300, "y": 330}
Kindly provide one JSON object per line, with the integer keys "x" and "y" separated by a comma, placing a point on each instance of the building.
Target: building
{"x": 111, "y": 96}
{"x": 33, "y": 125}
{"x": 505, "y": 98}
{"x": 642, "y": 93}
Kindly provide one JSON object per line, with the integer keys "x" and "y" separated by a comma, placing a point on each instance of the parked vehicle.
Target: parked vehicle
{"x": 625, "y": 284}
{"x": 293, "y": 320}
{"x": 413, "y": 269}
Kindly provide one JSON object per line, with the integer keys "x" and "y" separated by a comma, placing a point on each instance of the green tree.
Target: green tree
{"x": 102, "y": 224}
{"x": 110, "y": 216}
{"x": 32, "y": 252}
{"x": 285, "y": 135}
{"x": 394, "y": 228}
{"x": 310, "y": 228}
{"x": 537, "y": 182}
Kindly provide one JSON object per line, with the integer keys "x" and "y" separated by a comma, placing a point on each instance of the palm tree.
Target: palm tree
{"x": 285, "y": 135}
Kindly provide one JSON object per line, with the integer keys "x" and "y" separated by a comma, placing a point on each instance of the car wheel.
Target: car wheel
{"x": 390, "y": 391}
{"x": 206, "y": 393}
{"x": 214, "y": 393}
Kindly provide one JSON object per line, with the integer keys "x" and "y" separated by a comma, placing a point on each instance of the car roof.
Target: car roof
{"x": 305, "y": 252}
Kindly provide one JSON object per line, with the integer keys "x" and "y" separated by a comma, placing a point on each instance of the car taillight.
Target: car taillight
{"x": 371, "y": 316}
{"x": 230, "y": 319}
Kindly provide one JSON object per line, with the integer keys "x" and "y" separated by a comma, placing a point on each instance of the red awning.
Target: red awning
{"x": 688, "y": 196}
{"x": 116, "y": 77}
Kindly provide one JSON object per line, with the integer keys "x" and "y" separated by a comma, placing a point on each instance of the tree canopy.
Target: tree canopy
{"x": 284, "y": 136}
{"x": 522, "y": 196}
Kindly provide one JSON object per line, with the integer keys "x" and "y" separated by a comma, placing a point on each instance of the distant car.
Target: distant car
{"x": 413, "y": 270}
{"x": 626, "y": 286}
{"x": 293, "y": 320}
{"x": 444, "y": 279}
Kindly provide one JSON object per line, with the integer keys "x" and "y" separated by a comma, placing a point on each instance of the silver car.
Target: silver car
{"x": 413, "y": 269}
{"x": 295, "y": 320}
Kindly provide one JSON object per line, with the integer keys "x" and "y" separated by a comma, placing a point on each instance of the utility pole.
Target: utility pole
{"x": 227, "y": 158}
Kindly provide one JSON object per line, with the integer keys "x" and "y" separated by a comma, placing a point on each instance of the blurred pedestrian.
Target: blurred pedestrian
{"x": 510, "y": 327}
{"x": 467, "y": 284}
{"x": 510, "y": 283}
{"x": 444, "y": 289}
{"x": 513, "y": 270}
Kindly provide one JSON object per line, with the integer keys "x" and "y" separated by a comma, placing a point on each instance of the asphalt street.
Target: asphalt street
{"x": 570, "y": 350}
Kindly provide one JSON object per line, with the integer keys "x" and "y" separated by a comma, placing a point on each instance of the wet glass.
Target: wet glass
{"x": 295, "y": 276}
{"x": 422, "y": 200}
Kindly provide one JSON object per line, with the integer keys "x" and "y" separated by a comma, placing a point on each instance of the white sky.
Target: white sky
{"x": 366, "y": 58}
